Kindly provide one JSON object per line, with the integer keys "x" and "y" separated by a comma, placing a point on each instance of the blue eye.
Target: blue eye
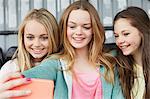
{"x": 72, "y": 27}
{"x": 87, "y": 28}
{"x": 116, "y": 36}
{"x": 126, "y": 34}
{"x": 30, "y": 37}
{"x": 44, "y": 38}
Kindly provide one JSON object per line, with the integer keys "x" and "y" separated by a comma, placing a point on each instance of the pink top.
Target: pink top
{"x": 87, "y": 86}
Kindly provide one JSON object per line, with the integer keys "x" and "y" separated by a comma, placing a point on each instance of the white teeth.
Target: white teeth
{"x": 37, "y": 50}
{"x": 78, "y": 38}
{"x": 124, "y": 46}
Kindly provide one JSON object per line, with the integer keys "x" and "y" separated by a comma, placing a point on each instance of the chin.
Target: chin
{"x": 126, "y": 54}
{"x": 37, "y": 56}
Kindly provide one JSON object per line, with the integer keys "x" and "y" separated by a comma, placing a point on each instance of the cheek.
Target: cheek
{"x": 135, "y": 39}
{"x": 89, "y": 36}
{"x": 139, "y": 40}
{"x": 26, "y": 43}
{"x": 89, "y": 31}
{"x": 48, "y": 47}
{"x": 69, "y": 35}
{"x": 137, "y": 43}
{"x": 46, "y": 44}
{"x": 116, "y": 41}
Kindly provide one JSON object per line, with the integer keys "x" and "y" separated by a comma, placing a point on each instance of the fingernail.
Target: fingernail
{"x": 28, "y": 91}
{"x": 22, "y": 76}
{"x": 28, "y": 79}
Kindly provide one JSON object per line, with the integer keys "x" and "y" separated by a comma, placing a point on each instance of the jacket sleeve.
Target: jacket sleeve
{"x": 46, "y": 70}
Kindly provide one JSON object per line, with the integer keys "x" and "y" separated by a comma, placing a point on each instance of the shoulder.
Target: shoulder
{"x": 113, "y": 52}
{"x": 110, "y": 90}
{"x": 10, "y": 66}
{"x": 49, "y": 64}
{"x": 46, "y": 70}
{"x": 50, "y": 61}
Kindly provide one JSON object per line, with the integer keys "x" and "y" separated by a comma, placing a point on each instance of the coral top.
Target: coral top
{"x": 87, "y": 86}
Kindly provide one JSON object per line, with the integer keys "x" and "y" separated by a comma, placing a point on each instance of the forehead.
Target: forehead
{"x": 79, "y": 16}
{"x": 34, "y": 27}
{"x": 122, "y": 23}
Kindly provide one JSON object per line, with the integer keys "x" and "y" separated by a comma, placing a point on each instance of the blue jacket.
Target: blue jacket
{"x": 52, "y": 70}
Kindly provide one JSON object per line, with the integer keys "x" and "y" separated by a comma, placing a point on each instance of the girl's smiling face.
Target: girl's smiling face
{"x": 36, "y": 39}
{"x": 79, "y": 30}
{"x": 128, "y": 38}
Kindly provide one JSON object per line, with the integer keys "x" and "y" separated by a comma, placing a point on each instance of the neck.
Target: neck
{"x": 138, "y": 58}
{"x": 82, "y": 53}
{"x": 82, "y": 63}
{"x": 36, "y": 61}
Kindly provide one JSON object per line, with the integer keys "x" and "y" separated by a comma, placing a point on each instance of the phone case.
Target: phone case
{"x": 41, "y": 89}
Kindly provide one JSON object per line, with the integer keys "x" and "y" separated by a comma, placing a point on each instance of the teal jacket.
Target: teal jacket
{"x": 52, "y": 70}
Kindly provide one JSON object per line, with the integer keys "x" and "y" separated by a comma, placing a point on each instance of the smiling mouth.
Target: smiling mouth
{"x": 37, "y": 51}
{"x": 124, "y": 46}
{"x": 78, "y": 38}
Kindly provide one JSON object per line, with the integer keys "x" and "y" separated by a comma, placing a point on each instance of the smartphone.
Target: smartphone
{"x": 41, "y": 89}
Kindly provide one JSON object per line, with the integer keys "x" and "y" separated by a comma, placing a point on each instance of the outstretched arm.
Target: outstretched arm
{"x": 11, "y": 80}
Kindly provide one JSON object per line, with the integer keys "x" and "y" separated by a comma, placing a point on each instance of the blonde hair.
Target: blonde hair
{"x": 96, "y": 53}
{"x": 49, "y": 22}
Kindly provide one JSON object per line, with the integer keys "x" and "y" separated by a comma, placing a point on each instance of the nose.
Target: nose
{"x": 36, "y": 42}
{"x": 120, "y": 40}
{"x": 79, "y": 31}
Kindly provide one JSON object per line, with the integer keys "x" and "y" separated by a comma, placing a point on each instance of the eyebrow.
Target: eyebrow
{"x": 121, "y": 31}
{"x": 75, "y": 23}
{"x": 40, "y": 35}
{"x": 124, "y": 31}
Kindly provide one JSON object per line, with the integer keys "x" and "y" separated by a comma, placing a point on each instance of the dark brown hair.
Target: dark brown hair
{"x": 139, "y": 19}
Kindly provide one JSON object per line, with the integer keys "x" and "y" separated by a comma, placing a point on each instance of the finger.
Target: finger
{"x": 14, "y": 93}
{"x": 10, "y": 75}
{"x": 14, "y": 83}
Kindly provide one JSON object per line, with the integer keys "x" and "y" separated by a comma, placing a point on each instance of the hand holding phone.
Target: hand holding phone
{"x": 41, "y": 89}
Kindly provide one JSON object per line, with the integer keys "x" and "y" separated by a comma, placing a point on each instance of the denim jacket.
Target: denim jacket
{"x": 52, "y": 70}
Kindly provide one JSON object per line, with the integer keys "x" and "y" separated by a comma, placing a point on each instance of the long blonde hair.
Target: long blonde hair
{"x": 49, "y": 22}
{"x": 96, "y": 53}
